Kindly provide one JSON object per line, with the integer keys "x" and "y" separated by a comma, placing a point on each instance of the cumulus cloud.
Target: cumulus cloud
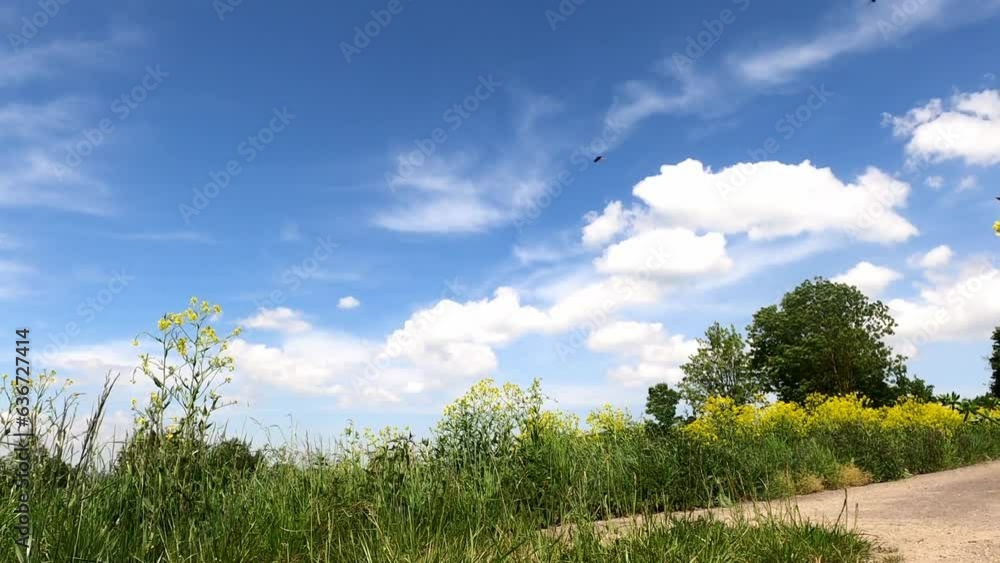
{"x": 317, "y": 362}
{"x": 348, "y": 302}
{"x": 961, "y": 306}
{"x": 935, "y": 258}
{"x": 935, "y": 182}
{"x": 968, "y": 129}
{"x": 667, "y": 253}
{"x": 602, "y": 228}
{"x": 279, "y": 319}
{"x": 653, "y": 355}
{"x": 868, "y": 277}
{"x": 768, "y": 200}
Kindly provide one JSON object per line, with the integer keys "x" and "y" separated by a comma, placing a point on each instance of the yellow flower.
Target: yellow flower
{"x": 191, "y": 315}
{"x": 135, "y": 342}
{"x": 217, "y": 309}
{"x": 996, "y": 228}
{"x": 164, "y": 324}
{"x": 194, "y": 300}
{"x": 182, "y": 346}
{"x": 135, "y": 403}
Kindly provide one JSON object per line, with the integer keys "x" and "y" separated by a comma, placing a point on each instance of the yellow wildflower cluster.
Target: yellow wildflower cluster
{"x": 609, "y": 419}
{"x": 996, "y": 228}
{"x": 721, "y": 418}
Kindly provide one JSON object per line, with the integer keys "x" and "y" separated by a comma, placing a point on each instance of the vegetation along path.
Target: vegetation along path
{"x": 946, "y": 516}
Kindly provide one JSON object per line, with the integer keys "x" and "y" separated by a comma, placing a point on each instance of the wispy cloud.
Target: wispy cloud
{"x": 460, "y": 193}
{"x": 699, "y": 88}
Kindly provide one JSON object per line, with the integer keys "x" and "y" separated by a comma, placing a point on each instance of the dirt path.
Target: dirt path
{"x": 947, "y": 516}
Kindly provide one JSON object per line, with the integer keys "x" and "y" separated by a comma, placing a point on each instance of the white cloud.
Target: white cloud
{"x": 443, "y": 215}
{"x": 464, "y": 193}
{"x": 349, "y": 302}
{"x": 868, "y": 26}
{"x": 769, "y": 200}
{"x": 937, "y": 257}
{"x": 454, "y": 339}
{"x": 967, "y": 183}
{"x": 667, "y": 253}
{"x": 528, "y": 255}
{"x": 868, "y": 277}
{"x": 32, "y": 179}
{"x": 656, "y": 356}
{"x": 89, "y": 363}
{"x": 602, "y": 228}
{"x": 639, "y": 100}
{"x": 935, "y": 182}
{"x": 968, "y": 131}
{"x": 316, "y": 362}
{"x": 280, "y": 319}
{"x": 963, "y": 306}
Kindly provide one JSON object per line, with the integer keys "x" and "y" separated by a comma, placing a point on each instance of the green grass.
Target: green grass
{"x": 482, "y": 488}
{"x": 712, "y": 541}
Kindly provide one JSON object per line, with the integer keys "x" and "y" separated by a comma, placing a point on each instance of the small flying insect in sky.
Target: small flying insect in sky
{"x": 599, "y": 158}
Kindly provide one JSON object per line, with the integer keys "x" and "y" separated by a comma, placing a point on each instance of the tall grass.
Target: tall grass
{"x": 497, "y": 470}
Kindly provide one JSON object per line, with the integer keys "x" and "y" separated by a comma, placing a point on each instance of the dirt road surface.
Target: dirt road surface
{"x": 947, "y": 516}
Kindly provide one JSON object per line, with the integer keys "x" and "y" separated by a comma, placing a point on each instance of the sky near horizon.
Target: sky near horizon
{"x": 397, "y": 198}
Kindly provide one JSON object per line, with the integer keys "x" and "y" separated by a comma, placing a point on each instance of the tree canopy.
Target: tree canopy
{"x": 826, "y": 337}
{"x": 720, "y": 367}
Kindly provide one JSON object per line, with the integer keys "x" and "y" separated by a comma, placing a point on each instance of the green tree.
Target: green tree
{"x": 995, "y": 364}
{"x": 661, "y": 405}
{"x": 826, "y": 337}
{"x": 720, "y": 367}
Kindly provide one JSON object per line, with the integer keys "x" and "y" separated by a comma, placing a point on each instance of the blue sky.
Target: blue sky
{"x": 408, "y": 185}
